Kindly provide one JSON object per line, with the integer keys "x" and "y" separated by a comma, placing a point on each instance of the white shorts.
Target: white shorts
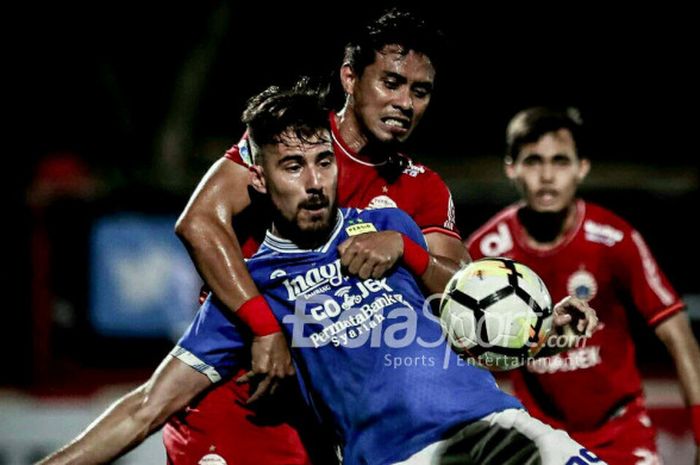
{"x": 510, "y": 437}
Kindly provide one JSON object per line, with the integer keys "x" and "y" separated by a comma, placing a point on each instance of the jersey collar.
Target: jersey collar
{"x": 281, "y": 245}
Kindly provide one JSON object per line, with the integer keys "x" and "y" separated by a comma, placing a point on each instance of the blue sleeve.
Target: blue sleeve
{"x": 213, "y": 344}
{"x": 395, "y": 219}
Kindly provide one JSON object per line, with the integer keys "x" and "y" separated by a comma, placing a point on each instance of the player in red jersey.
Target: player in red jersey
{"x": 594, "y": 392}
{"x": 388, "y": 77}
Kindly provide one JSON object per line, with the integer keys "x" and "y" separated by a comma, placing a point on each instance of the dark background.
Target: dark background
{"x": 143, "y": 98}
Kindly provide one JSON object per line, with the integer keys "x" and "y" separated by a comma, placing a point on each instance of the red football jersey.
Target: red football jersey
{"x": 417, "y": 189}
{"x": 221, "y": 428}
{"x": 604, "y": 261}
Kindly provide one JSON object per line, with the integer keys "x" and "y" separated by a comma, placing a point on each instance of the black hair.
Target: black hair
{"x": 301, "y": 109}
{"x": 395, "y": 27}
{"x": 529, "y": 125}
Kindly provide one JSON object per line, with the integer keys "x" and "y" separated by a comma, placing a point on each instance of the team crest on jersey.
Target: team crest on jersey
{"x": 357, "y": 227}
{"x": 582, "y": 285}
{"x": 381, "y": 201}
{"x": 212, "y": 459}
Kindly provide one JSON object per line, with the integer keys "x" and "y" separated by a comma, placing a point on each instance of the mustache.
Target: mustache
{"x": 315, "y": 202}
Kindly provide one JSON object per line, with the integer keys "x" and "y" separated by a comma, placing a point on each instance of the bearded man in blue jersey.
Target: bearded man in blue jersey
{"x": 348, "y": 286}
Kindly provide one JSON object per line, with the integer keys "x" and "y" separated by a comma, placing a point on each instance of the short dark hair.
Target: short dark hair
{"x": 395, "y": 27}
{"x": 529, "y": 125}
{"x": 301, "y": 109}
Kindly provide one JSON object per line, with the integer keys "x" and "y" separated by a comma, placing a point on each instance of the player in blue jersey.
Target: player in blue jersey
{"x": 371, "y": 359}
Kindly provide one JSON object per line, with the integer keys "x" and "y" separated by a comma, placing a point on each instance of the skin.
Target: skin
{"x": 547, "y": 173}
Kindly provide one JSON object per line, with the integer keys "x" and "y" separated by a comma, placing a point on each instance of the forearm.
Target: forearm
{"x": 678, "y": 337}
{"x": 216, "y": 253}
{"x": 205, "y": 229}
{"x": 114, "y": 433}
{"x": 134, "y": 417}
{"x": 440, "y": 270}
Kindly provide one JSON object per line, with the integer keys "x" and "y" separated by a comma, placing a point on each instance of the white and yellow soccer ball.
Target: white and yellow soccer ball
{"x": 496, "y": 312}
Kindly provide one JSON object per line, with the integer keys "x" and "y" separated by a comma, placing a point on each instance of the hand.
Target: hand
{"x": 271, "y": 362}
{"x": 574, "y": 315}
{"x": 372, "y": 254}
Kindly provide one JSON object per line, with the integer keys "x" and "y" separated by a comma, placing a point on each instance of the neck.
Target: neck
{"x": 357, "y": 138}
{"x": 547, "y": 229}
{"x": 307, "y": 240}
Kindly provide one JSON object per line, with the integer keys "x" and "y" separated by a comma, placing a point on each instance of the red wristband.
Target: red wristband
{"x": 258, "y": 316}
{"x": 415, "y": 257}
{"x": 695, "y": 421}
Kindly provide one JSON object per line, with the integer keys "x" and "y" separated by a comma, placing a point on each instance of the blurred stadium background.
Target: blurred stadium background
{"x": 116, "y": 111}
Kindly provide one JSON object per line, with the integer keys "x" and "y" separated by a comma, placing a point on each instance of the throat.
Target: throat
{"x": 546, "y": 229}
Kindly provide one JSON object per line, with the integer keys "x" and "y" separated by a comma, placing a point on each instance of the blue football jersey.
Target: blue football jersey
{"x": 371, "y": 357}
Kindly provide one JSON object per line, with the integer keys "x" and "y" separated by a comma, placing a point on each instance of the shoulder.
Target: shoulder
{"x": 419, "y": 173}
{"x": 380, "y": 218}
{"x": 602, "y": 226}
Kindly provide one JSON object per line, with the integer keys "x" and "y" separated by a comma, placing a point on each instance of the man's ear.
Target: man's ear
{"x": 583, "y": 169}
{"x": 347, "y": 78}
{"x": 509, "y": 167}
{"x": 257, "y": 180}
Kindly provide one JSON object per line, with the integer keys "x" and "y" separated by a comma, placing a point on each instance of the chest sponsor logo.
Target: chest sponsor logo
{"x": 381, "y": 201}
{"x": 573, "y": 360}
{"x": 497, "y": 243}
{"x": 582, "y": 285}
{"x": 313, "y": 281}
{"x": 602, "y": 233}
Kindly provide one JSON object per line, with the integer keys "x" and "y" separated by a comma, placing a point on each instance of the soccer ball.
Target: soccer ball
{"x": 497, "y": 312}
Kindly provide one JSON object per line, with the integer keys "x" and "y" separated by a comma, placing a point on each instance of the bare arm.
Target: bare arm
{"x": 206, "y": 230}
{"x": 134, "y": 417}
{"x": 676, "y": 334}
{"x": 442, "y": 245}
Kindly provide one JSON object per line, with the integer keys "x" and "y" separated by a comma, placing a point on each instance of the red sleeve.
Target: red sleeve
{"x": 653, "y": 295}
{"x": 436, "y": 210}
{"x": 473, "y": 248}
{"x": 240, "y": 152}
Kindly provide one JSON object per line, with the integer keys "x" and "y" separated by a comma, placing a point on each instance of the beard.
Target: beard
{"x": 308, "y": 234}
{"x": 543, "y": 227}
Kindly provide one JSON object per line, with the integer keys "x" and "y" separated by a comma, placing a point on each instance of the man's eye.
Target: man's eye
{"x": 391, "y": 84}
{"x": 421, "y": 93}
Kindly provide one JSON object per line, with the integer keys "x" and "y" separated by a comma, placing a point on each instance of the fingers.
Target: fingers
{"x": 261, "y": 390}
{"x": 246, "y": 378}
{"x": 576, "y": 310}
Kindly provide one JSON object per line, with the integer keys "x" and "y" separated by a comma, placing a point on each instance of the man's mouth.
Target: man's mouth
{"x": 398, "y": 123}
{"x": 547, "y": 195}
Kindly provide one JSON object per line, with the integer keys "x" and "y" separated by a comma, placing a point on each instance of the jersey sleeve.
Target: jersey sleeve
{"x": 213, "y": 344}
{"x": 396, "y": 219}
{"x": 436, "y": 211}
{"x": 651, "y": 292}
{"x": 240, "y": 153}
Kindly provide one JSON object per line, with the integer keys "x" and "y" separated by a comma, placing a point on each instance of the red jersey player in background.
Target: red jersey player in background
{"x": 594, "y": 392}
{"x": 388, "y": 73}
